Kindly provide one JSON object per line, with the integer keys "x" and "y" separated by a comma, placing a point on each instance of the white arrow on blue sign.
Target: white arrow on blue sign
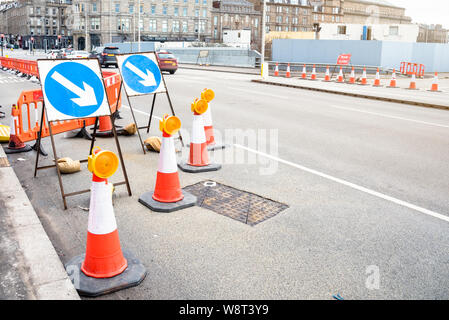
{"x": 141, "y": 74}
{"x": 73, "y": 89}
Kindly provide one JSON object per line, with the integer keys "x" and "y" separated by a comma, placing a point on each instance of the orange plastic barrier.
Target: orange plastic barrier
{"x": 409, "y": 68}
{"x": 28, "y": 127}
{"x": 28, "y": 67}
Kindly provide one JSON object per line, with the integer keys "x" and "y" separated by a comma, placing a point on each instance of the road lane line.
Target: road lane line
{"x": 350, "y": 184}
{"x": 142, "y": 112}
{"x": 390, "y": 116}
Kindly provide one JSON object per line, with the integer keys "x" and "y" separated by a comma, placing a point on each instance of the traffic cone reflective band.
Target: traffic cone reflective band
{"x": 340, "y": 76}
{"x": 435, "y": 83}
{"x": 327, "y": 77}
{"x": 304, "y": 72}
{"x": 287, "y": 74}
{"x": 352, "y": 77}
{"x": 364, "y": 80}
{"x": 393, "y": 79}
{"x": 104, "y": 257}
{"x": 377, "y": 80}
{"x": 208, "y": 95}
{"x": 413, "y": 82}
{"x": 168, "y": 188}
{"x": 15, "y": 144}
{"x": 198, "y": 147}
{"x": 313, "y": 77}
{"x": 276, "y": 70}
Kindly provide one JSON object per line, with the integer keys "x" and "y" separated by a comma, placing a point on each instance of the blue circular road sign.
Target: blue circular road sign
{"x": 141, "y": 74}
{"x": 74, "y": 89}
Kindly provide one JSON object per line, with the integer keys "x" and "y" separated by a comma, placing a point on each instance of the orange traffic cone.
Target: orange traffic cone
{"x": 435, "y": 83}
{"x": 276, "y": 70}
{"x": 15, "y": 144}
{"x": 413, "y": 82}
{"x": 167, "y": 195}
{"x": 105, "y": 268}
{"x": 304, "y": 72}
{"x": 198, "y": 157}
{"x": 377, "y": 80}
{"x": 340, "y": 76}
{"x": 352, "y": 77}
{"x": 327, "y": 76}
{"x": 105, "y": 127}
{"x": 393, "y": 80}
{"x": 364, "y": 81}
{"x": 104, "y": 257}
{"x": 313, "y": 76}
{"x": 209, "y": 95}
{"x": 287, "y": 74}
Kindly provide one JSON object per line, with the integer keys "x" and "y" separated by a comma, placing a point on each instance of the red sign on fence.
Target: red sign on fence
{"x": 344, "y": 59}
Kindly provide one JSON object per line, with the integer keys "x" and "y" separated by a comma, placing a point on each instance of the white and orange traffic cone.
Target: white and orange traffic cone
{"x": 377, "y": 80}
{"x": 412, "y": 85}
{"x": 276, "y": 70}
{"x": 104, "y": 258}
{"x": 167, "y": 195}
{"x": 352, "y": 76}
{"x": 327, "y": 76}
{"x": 287, "y": 74}
{"x": 313, "y": 76}
{"x": 209, "y": 95}
{"x": 393, "y": 80}
{"x": 340, "y": 78}
{"x": 198, "y": 156}
{"x": 304, "y": 72}
{"x": 15, "y": 144}
{"x": 364, "y": 81}
{"x": 434, "y": 86}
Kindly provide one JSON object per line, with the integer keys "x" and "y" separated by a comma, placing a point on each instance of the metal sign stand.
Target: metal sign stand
{"x": 53, "y": 145}
{"x": 55, "y": 156}
{"x": 151, "y": 110}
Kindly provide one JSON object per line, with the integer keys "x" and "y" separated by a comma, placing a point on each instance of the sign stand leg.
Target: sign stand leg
{"x": 151, "y": 113}
{"x": 38, "y": 142}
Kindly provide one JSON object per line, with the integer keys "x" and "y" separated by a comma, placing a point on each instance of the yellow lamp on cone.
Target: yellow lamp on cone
{"x": 102, "y": 163}
{"x": 199, "y": 106}
{"x": 208, "y": 95}
{"x": 169, "y": 124}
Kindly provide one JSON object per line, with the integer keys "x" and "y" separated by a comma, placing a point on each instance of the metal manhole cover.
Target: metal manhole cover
{"x": 240, "y": 205}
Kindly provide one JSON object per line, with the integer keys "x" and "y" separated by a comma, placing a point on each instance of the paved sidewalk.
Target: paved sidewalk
{"x": 421, "y": 97}
{"x": 29, "y": 265}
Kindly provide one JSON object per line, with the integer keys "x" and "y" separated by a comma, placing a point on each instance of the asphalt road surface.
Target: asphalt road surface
{"x": 366, "y": 183}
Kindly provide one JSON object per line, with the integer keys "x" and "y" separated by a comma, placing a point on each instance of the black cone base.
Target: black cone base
{"x": 94, "y": 287}
{"x": 24, "y": 149}
{"x": 147, "y": 200}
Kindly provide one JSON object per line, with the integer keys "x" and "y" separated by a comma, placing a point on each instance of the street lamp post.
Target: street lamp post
{"x": 138, "y": 27}
{"x": 262, "y": 49}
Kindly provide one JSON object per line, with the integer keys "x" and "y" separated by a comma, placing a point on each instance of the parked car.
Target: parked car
{"x": 106, "y": 55}
{"x": 63, "y": 53}
{"x": 167, "y": 61}
{"x": 77, "y": 54}
{"x": 53, "y": 54}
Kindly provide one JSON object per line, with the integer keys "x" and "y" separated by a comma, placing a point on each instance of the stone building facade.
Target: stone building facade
{"x": 373, "y": 12}
{"x": 42, "y": 21}
{"x": 235, "y": 15}
{"x": 160, "y": 20}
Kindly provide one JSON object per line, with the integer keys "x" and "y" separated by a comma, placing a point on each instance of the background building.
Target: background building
{"x": 118, "y": 21}
{"x": 433, "y": 34}
{"x": 41, "y": 20}
{"x": 373, "y": 12}
{"x": 228, "y": 16}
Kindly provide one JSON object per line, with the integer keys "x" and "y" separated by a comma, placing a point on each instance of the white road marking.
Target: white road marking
{"x": 350, "y": 184}
{"x": 390, "y": 116}
{"x": 141, "y": 112}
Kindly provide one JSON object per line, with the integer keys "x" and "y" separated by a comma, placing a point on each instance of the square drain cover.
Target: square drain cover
{"x": 240, "y": 205}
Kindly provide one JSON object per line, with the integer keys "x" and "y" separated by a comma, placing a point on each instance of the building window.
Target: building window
{"x": 394, "y": 30}
{"x": 176, "y": 11}
{"x": 215, "y": 20}
{"x": 152, "y": 26}
{"x": 117, "y": 7}
{"x": 131, "y": 8}
{"x": 341, "y": 30}
{"x": 175, "y": 26}
{"x": 153, "y": 9}
{"x": 204, "y": 13}
{"x": 94, "y": 7}
{"x": 185, "y": 26}
{"x": 164, "y": 26}
{"x": 164, "y": 10}
{"x": 184, "y": 12}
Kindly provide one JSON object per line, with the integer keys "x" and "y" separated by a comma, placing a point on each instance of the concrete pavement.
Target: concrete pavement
{"x": 339, "y": 162}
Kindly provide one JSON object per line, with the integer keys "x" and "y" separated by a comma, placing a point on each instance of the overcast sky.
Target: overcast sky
{"x": 426, "y": 11}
